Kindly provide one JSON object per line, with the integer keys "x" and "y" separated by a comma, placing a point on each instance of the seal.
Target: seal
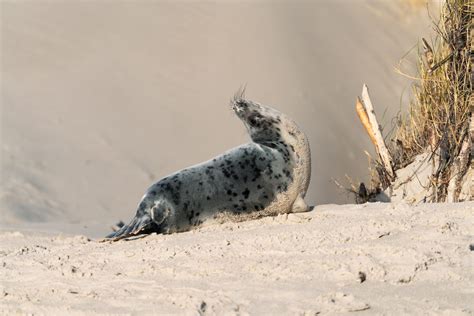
{"x": 267, "y": 176}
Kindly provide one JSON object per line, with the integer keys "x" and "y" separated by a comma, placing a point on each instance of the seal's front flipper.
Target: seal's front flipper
{"x": 300, "y": 206}
{"x": 146, "y": 221}
{"x": 140, "y": 224}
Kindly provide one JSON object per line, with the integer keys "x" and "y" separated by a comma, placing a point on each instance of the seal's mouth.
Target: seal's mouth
{"x": 238, "y": 102}
{"x": 239, "y": 106}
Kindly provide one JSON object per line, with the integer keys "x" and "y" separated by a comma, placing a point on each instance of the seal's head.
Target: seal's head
{"x": 263, "y": 123}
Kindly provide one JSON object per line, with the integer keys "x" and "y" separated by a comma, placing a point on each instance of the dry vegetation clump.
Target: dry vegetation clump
{"x": 439, "y": 121}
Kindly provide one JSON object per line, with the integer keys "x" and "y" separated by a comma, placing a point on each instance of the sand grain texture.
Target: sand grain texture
{"x": 414, "y": 260}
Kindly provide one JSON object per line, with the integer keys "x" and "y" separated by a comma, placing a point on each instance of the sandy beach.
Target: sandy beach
{"x": 382, "y": 259}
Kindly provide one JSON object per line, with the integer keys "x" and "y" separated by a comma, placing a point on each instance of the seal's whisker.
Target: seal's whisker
{"x": 240, "y": 94}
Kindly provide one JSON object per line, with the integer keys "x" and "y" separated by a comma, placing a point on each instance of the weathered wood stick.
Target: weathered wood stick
{"x": 380, "y": 146}
{"x": 471, "y": 134}
{"x": 458, "y": 170}
{"x": 364, "y": 119}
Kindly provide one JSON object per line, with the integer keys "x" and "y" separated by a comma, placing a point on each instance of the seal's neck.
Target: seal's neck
{"x": 298, "y": 144}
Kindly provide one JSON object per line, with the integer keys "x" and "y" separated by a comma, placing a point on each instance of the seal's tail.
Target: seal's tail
{"x": 140, "y": 224}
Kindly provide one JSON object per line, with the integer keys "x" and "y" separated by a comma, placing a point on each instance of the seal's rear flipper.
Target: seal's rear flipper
{"x": 140, "y": 224}
{"x": 300, "y": 206}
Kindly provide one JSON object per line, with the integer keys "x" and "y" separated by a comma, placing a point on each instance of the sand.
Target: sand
{"x": 383, "y": 259}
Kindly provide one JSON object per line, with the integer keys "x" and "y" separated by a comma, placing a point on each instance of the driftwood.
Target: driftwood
{"x": 460, "y": 166}
{"x": 414, "y": 183}
{"x": 366, "y": 113}
{"x": 364, "y": 119}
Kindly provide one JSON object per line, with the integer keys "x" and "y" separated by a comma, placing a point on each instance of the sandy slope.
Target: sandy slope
{"x": 415, "y": 260}
{"x": 101, "y": 98}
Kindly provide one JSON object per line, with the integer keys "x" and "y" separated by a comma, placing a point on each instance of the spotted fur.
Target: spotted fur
{"x": 268, "y": 176}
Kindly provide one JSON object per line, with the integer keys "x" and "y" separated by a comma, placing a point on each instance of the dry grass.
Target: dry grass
{"x": 438, "y": 117}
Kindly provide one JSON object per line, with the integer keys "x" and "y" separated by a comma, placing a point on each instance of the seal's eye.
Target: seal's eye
{"x": 255, "y": 119}
{"x": 242, "y": 104}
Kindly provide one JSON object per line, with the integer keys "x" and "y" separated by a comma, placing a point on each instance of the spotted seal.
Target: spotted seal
{"x": 268, "y": 176}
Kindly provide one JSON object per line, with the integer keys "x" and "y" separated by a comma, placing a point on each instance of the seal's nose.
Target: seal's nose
{"x": 239, "y": 106}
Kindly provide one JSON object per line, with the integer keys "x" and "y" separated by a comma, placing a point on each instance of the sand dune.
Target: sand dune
{"x": 101, "y": 99}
